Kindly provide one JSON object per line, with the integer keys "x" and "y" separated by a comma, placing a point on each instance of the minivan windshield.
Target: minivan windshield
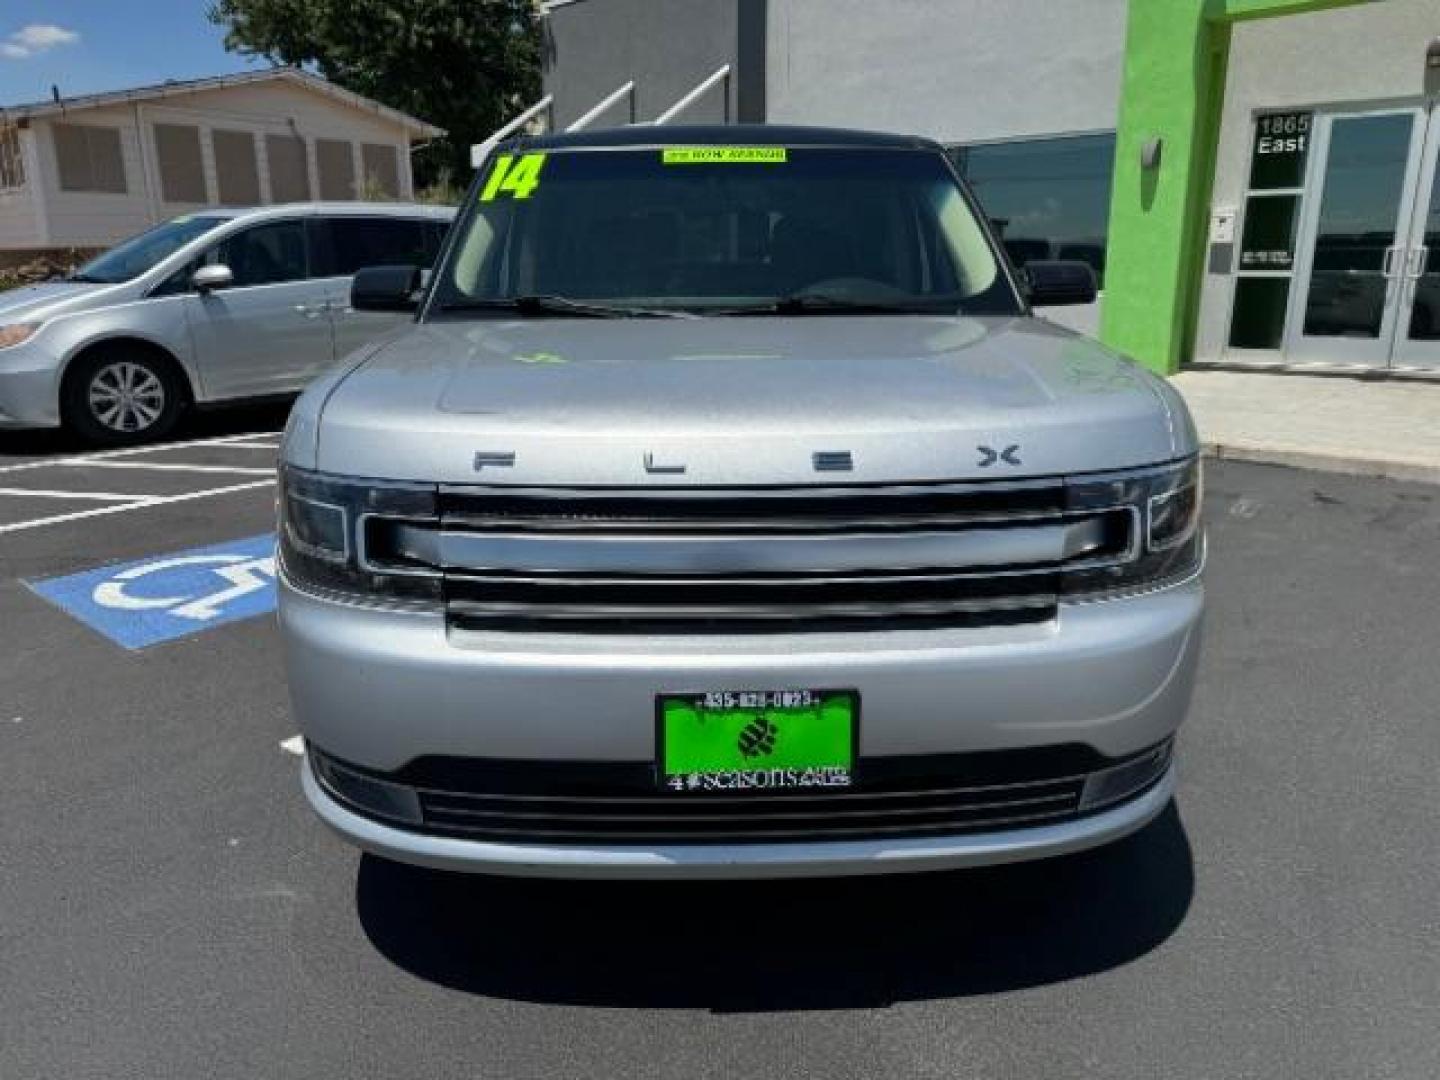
{"x": 130, "y": 259}
{"x": 733, "y": 230}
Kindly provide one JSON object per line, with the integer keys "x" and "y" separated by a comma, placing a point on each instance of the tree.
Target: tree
{"x": 464, "y": 65}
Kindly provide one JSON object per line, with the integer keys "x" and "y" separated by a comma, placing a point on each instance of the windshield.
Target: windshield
{"x": 721, "y": 230}
{"x": 138, "y": 254}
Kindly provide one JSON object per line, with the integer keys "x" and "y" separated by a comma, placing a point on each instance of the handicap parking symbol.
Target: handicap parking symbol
{"x": 170, "y": 596}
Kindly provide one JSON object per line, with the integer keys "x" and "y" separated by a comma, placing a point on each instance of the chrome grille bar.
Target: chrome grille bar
{"x": 678, "y": 560}
{"x": 577, "y": 553}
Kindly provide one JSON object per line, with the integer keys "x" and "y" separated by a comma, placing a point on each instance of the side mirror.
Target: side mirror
{"x": 209, "y": 278}
{"x": 1057, "y": 282}
{"x": 385, "y": 288}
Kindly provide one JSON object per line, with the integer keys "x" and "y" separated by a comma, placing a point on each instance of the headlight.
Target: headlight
{"x": 333, "y": 537}
{"x": 1167, "y": 543}
{"x": 15, "y": 333}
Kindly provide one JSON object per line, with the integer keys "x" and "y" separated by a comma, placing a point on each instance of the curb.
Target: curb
{"x": 1412, "y": 472}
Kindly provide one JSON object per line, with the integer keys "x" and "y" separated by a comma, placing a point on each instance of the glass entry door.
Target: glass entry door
{"x": 1368, "y": 249}
{"x": 1356, "y": 260}
{"x": 1417, "y": 332}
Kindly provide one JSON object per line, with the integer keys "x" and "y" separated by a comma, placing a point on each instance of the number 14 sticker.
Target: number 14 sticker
{"x": 516, "y": 177}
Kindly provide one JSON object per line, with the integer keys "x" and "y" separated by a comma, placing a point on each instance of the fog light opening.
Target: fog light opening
{"x": 1122, "y": 781}
{"x": 377, "y": 797}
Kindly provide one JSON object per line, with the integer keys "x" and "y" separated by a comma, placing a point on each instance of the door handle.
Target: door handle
{"x": 1387, "y": 261}
{"x": 311, "y": 311}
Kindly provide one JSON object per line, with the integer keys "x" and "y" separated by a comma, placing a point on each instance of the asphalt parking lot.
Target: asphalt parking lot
{"x": 168, "y": 907}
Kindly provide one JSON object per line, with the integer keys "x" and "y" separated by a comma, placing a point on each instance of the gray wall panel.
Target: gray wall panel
{"x": 667, "y": 46}
{"x": 956, "y": 70}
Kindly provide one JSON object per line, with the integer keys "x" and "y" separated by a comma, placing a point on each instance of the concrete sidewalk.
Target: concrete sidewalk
{"x": 1370, "y": 427}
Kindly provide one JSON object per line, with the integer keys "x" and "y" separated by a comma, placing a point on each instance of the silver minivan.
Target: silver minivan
{"x": 214, "y": 306}
{"x": 727, "y": 511}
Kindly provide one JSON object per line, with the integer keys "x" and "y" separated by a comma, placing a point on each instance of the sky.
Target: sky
{"x": 85, "y": 46}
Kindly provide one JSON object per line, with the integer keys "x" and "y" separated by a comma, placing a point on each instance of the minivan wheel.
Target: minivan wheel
{"x": 121, "y": 396}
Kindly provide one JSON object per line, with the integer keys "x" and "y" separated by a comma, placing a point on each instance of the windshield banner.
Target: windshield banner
{"x": 724, "y": 155}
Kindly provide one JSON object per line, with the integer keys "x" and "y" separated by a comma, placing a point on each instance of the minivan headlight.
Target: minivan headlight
{"x": 331, "y": 533}
{"x": 1167, "y": 542}
{"x": 17, "y": 333}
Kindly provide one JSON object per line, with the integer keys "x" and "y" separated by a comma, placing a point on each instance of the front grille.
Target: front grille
{"x": 723, "y": 561}
{"x": 618, "y": 803}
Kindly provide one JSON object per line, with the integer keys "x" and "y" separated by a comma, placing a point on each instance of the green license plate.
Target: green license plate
{"x": 756, "y": 740}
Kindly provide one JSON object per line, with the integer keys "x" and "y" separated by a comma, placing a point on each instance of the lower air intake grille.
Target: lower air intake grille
{"x": 574, "y": 803}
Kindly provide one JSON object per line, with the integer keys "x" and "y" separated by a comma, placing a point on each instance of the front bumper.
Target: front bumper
{"x": 828, "y": 858}
{"x": 380, "y": 688}
{"x": 29, "y": 387}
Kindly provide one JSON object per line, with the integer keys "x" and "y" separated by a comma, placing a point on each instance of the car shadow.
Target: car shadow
{"x": 759, "y": 946}
{"x": 196, "y": 424}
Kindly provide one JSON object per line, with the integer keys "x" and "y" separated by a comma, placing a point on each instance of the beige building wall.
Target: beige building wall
{"x": 21, "y": 222}
{"x": 45, "y": 215}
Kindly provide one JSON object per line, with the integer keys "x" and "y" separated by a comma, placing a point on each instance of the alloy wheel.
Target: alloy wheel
{"x": 126, "y": 397}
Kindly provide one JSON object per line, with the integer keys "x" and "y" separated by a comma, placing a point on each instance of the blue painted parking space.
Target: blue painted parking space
{"x": 169, "y": 596}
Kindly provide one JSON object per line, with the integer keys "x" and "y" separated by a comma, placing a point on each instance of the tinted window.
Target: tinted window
{"x": 1047, "y": 198}
{"x": 706, "y": 228}
{"x": 347, "y": 244}
{"x": 266, "y": 254}
{"x": 434, "y": 240}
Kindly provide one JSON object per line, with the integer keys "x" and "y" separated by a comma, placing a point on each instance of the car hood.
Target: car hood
{"x": 750, "y": 400}
{"x": 47, "y": 299}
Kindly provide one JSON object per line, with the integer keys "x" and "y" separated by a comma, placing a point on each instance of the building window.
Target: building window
{"x": 12, "y": 165}
{"x": 1047, "y": 198}
{"x": 1278, "y": 155}
{"x": 337, "y": 169}
{"x": 236, "y": 172}
{"x": 382, "y": 170}
{"x": 89, "y": 158}
{"x": 289, "y": 171}
{"x": 182, "y": 169}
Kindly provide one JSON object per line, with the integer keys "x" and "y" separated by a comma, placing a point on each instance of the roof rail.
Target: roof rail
{"x": 480, "y": 151}
{"x": 605, "y": 103}
{"x": 720, "y": 75}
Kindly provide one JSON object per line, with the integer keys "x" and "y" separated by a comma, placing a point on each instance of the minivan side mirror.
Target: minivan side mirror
{"x": 1056, "y": 282}
{"x": 209, "y": 278}
{"x": 385, "y": 288}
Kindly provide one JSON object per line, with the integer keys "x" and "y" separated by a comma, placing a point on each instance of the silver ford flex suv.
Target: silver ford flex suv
{"x": 727, "y": 512}
{"x": 214, "y": 306}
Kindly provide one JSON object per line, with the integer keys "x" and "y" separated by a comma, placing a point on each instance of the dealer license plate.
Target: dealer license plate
{"x": 757, "y": 740}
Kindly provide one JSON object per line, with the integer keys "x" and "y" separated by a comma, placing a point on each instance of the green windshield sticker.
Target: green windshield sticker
{"x": 725, "y": 155}
{"x": 516, "y": 177}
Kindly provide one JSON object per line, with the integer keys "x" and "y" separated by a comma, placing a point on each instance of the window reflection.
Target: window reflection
{"x": 1425, "y": 316}
{"x": 1048, "y": 198}
{"x": 1359, "y": 207}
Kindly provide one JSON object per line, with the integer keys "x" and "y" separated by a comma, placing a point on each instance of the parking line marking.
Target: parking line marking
{"x": 179, "y": 466}
{"x": 101, "y": 496}
{"x": 140, "y": 504}
{"x": 131, "y": 451}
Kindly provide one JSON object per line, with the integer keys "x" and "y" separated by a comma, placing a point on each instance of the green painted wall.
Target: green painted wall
{"x": 1172, "y": 88}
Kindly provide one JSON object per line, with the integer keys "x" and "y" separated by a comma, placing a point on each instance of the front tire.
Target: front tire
{"x": 122, "y": 396}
